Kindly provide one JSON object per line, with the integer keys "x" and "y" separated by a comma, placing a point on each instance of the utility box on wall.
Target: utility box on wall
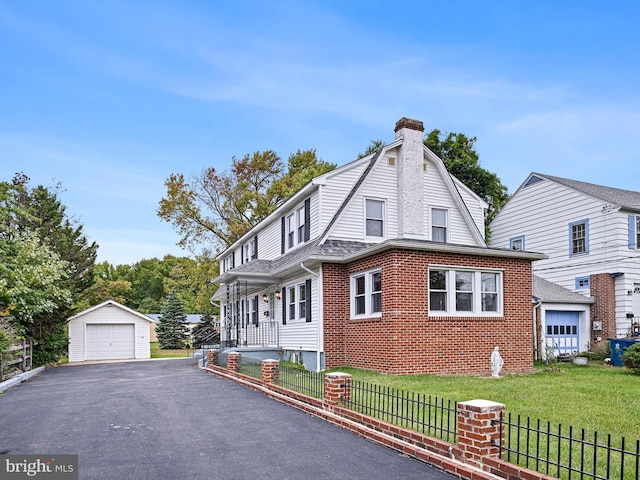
{"x": 597, "y": 326}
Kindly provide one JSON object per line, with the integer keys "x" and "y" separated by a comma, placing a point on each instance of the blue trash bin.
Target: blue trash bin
{"x": 618, "y": 345}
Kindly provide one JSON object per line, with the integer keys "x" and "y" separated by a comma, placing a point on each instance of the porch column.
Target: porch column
{"x": 234, "y": 361}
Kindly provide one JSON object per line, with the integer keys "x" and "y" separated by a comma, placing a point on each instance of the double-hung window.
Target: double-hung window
{"x": 464, "y": 291}
{"x": 291, "y": 228}
{"x": 579, "y": 238}
{"x": 228, "y": 263}
{"x": 250, "y": 250}
{"x": 366, "y": 294}
{"x": 297, "y": 301}
{"x": 374, "y": 218}
{"x": 297, "y": 298}
{"x": 251, "y": 311}
{"x": 300, "y": 224}
{"x": 439, "y": 223}
{"x": 296, "y": 227}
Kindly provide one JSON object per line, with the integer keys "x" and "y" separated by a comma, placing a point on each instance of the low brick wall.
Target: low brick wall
{"x": 474, "y": 457}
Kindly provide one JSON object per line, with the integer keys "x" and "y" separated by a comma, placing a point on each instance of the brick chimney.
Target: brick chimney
{"x": 411, "y": 215}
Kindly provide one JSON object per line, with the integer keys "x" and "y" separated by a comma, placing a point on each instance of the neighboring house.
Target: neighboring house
{"x": 591, "y": 236}
{"x": 380, "y": 264}
{"x": 192, "y": 321}
{"x": 562, "y": 320}
{"x": 108, "y": 331}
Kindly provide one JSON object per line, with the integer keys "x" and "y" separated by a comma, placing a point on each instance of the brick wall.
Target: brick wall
{"x": 603, "y": 291}
{"x": 405, "y": 340}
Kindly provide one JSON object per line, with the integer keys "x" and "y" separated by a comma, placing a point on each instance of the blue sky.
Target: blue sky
{"x": 110, "y": 97}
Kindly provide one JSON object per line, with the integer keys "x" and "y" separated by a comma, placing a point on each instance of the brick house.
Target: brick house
{"x": 380, "y": 264}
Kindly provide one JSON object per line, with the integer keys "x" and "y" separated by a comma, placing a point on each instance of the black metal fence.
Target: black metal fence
{"x": 426, "y": 414}
{"x": 303, "y": 381}
{"x": 559, "y": 451}
{"x": 567, "y": 453}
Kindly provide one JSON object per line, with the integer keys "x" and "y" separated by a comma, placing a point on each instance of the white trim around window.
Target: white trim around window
{"x": 366, "y": 294}
{"x": 297, "y": 302}
{"x": 466, "y": 292}
{"x": 375, "y": 221}
{"x": 439, "y": 224}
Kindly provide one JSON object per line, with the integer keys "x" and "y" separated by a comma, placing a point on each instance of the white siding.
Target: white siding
{"x": 107, "y": 315}
{"x": 437, "y": 195}
{"x": 380, "y": 184}
{"x": 542, "y": 213}
{"x": 300, "y": 334}
{"x": 335, "y": 191}
{"x": 476, "y": 209}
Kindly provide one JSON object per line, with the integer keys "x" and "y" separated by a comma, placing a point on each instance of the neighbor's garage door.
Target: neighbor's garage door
{"x": 110, "y": 341}
{"x": 562, "y": 332}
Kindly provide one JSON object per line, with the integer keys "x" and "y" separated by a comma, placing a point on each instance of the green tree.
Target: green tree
{"x": 47, "y": 220}
{"x": 373, "y": 147}
{"x": 171, "y": 328}
{"x": 46, "y": 262}
{"x": 458, "y": 153}
{"x": 219, "y": 207}
{"x": 32, "y": 284}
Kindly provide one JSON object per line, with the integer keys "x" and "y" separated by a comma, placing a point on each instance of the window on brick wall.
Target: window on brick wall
{"x": 464, "y": 291}
{"x": 366, "y": 294}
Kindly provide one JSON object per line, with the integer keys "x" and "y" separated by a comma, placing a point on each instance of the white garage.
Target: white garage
{"x": 109, "y": 331}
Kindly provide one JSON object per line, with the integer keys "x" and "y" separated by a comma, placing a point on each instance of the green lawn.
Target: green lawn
{"x": 595, "y": 397}
{"x": 157, "y": 352}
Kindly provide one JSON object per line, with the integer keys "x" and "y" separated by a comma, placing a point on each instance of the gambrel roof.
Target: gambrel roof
{"x": 626, "y": 199}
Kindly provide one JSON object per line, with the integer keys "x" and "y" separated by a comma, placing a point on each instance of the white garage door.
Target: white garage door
{"x": 110, "y": 341}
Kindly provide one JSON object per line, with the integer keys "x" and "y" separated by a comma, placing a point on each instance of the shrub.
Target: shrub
{"x": 631, "y": 358}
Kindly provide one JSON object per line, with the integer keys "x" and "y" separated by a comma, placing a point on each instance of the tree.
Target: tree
{"x": 461, "y": 159}
{"x": 46, "y": 262}
{"x": 218, "y": 208}
{"x": 373, "y": 147}
{"x": 171, "y": 329}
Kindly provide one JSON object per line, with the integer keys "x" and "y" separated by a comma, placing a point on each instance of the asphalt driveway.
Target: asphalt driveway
{"x": 167, "y": 419}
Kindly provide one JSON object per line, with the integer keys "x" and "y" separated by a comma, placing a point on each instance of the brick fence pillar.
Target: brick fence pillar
{"x": 234, "y": 361}
{"x": 270, "y": 370}
{"x": 337, "y": 388}
{"x": 479, "y": 429}
{"x": 212, "y": 357}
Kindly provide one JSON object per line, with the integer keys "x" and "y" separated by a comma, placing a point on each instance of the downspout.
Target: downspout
{"x": 320, "y": 340}
{"x": 535, "y": 330}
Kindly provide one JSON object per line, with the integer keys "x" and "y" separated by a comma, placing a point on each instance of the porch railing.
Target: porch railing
{"x": 264, "y": 334}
